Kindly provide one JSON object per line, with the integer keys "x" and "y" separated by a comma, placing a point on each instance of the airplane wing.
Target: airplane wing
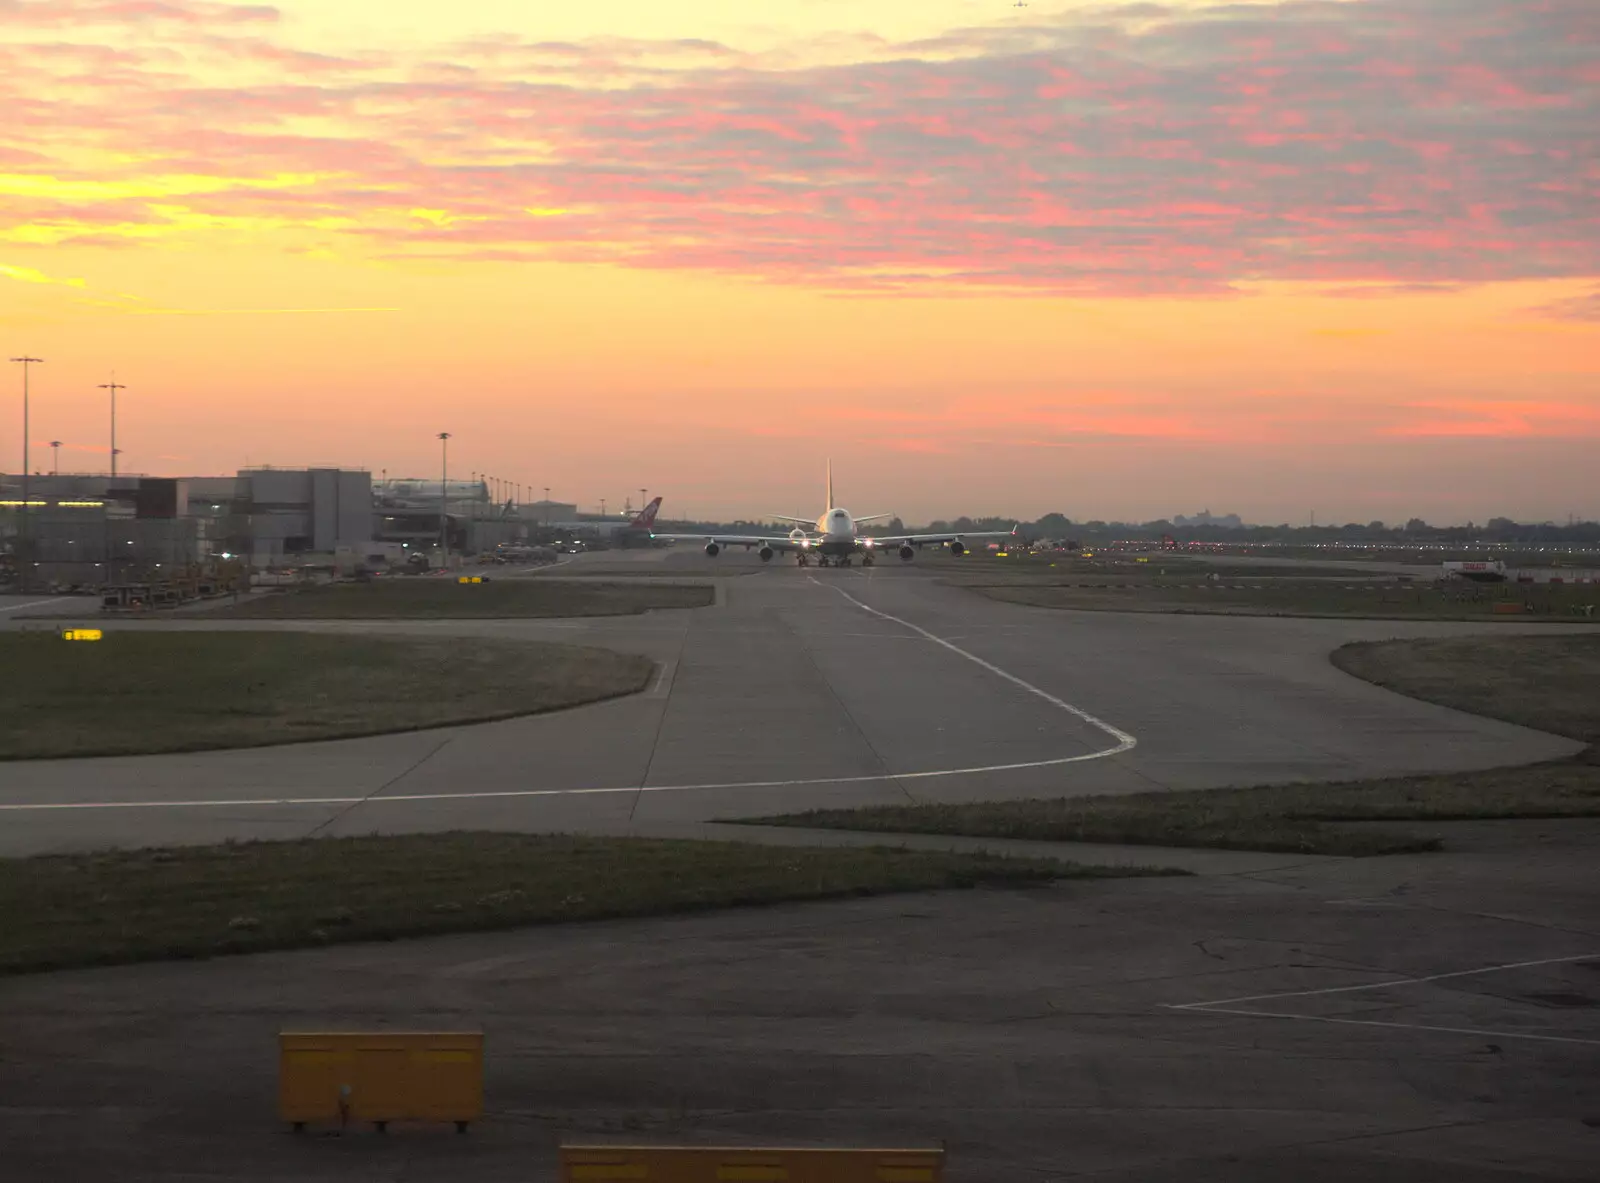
{"x": 750, "y": 541}
{"x": 940, "y": 539}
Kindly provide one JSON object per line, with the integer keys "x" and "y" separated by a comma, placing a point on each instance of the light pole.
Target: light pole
{"x": 55, "y": 462}
{"x": 547, "y": 507}
{"x": 23, "y": 569}
{"x": 113, "y": 386}
{"x": 444, "y": 476}
{"x": 602, "y": 507}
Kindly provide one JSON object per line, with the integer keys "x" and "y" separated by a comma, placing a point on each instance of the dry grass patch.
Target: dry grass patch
{"x": 1550, "y": 683}
{"x": 137, "y": 692}
{"x": 59, "y": 911}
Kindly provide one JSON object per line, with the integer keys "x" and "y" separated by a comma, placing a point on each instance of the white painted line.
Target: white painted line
{"x": 1222, "y": 1005}
{"x": 1462, "y": 973}
{"x": 36, "y": 603}
{"x": 1267, "y": 1014}
{"x": 1125, "y": 741}
{"x": 662, "y": 686}
{"x": 505, "y": 794}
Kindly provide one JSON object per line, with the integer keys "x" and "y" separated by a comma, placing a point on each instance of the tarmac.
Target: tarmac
{"x": 1426, "y": 1019}
{"x": 801, "y": 688}
{"x": 1431, "y": 1018}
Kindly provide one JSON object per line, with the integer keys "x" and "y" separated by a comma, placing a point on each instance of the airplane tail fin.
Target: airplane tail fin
{"x": 830, "y": 485}
{"x": 647, "y": 516}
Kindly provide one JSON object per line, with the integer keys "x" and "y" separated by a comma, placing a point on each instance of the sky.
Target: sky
{"x": 1338, "y": 257}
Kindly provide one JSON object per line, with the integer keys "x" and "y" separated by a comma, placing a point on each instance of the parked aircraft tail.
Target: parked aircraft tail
{"x": 647, "y": 516}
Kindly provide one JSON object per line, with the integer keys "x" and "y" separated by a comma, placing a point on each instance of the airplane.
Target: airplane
{"x": 833, "y": 538}
{"x": 640, "y": 522}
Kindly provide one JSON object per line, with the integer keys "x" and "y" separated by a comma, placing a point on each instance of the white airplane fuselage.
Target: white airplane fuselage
{"x": 835, "y": 534}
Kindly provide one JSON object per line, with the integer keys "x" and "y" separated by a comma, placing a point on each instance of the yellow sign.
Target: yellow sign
{"x": 469, "y": 579}
{"x": 81, "y": 634}
{"x": 380, "y": 1076}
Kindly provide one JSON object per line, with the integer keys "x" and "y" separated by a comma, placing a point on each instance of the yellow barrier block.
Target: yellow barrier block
{"x": 724, "y": 1164}
{"x": 380, "y": 1076}
{"x": 469, "y": 578}
{"x": 81, "y": 634}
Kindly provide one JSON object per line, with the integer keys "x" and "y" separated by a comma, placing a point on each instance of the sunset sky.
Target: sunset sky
{"x": 1115, "y": 261}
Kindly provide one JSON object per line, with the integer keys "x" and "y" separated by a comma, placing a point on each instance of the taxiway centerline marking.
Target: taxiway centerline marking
{"x": 1125, "y": 741}
{"x": 1460, "y": 973}
{"x": 35, "y": 604}
{"x": 504, "y": 794}
{"x": 1267, "y": 1014}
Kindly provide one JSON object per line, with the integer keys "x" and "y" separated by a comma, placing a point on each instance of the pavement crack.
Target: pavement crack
{"x": 883, "y": 765}
{"x": 388, "y": 784}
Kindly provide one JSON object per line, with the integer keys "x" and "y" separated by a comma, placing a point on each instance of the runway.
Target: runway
{"x": 802, "y": 688}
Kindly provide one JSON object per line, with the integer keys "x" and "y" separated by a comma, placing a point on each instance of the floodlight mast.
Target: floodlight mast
{"x": 444, "y": 493}
{"x": 113, "y": 386}
{"x": 26, "y": 557}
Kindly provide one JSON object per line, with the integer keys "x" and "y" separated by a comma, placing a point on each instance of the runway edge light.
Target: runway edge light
{"x": 81, "y": 634}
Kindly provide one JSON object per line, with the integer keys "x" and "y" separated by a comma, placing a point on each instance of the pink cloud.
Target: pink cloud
{"x": 1501, "y": 420}
{"x": 1123, "y": 152}
{"x": 1577, "y": 308}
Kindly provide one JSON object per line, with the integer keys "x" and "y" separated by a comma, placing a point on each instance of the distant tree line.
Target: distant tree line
{"x": 1415, "y": 532}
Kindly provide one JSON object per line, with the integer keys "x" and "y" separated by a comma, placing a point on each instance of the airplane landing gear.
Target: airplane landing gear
{"x": 844, "y": 562}
{"x": 802, "y": 561}
{"x": 822, "y": 560}
{"x": 866, "y": 560}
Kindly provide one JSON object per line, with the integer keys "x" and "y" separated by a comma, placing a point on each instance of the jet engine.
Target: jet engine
{"x": 957, "y": 548}
{"x": 906, "y": 553}
{"x": 766, "y": 554}
{"x": 713, "y": 549}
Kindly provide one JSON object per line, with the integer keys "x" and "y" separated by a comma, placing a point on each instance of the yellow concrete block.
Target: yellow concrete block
{"x": 380, "y": 1076}
{"x": 723, "y": 1164}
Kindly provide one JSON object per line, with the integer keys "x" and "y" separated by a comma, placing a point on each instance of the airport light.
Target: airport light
{"x": 113, "y": 386}
{"x": 444, "y": 493}
{"x": 55, "y": 460}
{"x": 547, "y": 507}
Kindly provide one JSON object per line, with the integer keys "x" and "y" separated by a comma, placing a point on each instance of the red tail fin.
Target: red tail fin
{"x": 647, "y": 516}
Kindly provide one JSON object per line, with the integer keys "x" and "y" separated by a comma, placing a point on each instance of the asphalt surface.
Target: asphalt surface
{"x": 801, "y": 688}
{"x": 1427, "y": 1019}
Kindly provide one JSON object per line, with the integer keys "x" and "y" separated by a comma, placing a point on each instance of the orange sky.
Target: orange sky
{"x": 1271, "y": 261}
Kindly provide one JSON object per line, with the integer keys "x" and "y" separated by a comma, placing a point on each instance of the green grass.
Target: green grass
{"x": 1298, "y": 819}
{"x": 139, "y": 691}
{"x": 59, "y": 911}
{"x": 1540, "y": 681}
{"x": 1364, "y": 597}
{"x": 440, "y": 597}
{"x": 1550, "y": 683}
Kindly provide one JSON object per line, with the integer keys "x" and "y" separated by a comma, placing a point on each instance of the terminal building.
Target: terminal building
{"x": 84, "y": 530}
{"x": 91, "y": 529}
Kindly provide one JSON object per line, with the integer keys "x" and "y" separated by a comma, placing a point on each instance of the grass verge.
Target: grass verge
{"x": 60, "y": 911}
{"x": 1544, "y": 682}
{"x": 1297, "y": 819}
{"x": 138, "y": 692}
{"x": 1373, "y": 598}
{"x": 1550, "y": 683}
{"x": 442, "y": 598}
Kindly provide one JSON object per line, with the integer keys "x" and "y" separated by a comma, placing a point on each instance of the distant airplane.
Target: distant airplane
{"x": 640, "y": 522}
{"x": 832, "y": 538}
